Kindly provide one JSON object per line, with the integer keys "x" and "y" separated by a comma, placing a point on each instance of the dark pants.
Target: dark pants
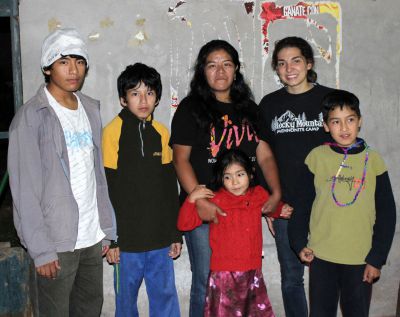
{"x": 78, "y": 288}
{"x": 330, "y": 282}
{"x": 292, "y": 271}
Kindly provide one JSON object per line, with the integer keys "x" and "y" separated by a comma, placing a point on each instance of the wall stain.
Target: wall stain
{"x": 53, "y": 24}
{"x": 94, "y": 36}
{"x": 178, "y": 4}
{"x": 106, "y": 23}
{"x": 174, "y": 16}
{"x": 140, "y": 22}
{"x": 249, "y": 7}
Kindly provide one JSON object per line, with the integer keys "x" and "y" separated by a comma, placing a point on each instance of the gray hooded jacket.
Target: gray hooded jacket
{"x": 46, "y": 214}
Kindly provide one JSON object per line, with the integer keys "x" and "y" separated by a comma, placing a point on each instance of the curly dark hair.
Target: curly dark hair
{"x": 305, "y": 49}
{"x": 240, "y": 93}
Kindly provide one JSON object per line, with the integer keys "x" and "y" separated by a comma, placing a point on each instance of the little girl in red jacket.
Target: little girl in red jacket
{"x": 235, "y": 284}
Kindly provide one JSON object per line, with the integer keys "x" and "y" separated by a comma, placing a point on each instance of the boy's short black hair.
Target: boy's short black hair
{"x": 339, "y": 98}
{"x": 138, "y": 73}
{"x": 47, "y": 77}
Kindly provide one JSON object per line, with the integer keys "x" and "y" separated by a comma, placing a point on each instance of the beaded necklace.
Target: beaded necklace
{"x": 345, "y": 151}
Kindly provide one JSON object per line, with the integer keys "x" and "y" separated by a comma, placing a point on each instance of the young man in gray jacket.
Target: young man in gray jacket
{"x": 62, "y": 210}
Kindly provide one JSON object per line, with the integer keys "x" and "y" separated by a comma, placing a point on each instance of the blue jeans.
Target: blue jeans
{"x": 292, "y": 271}
{"x": 199, "y": 251}
{"x": 157, "y": 270}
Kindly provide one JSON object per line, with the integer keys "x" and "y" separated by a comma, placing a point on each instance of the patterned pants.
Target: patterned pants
{"x": 237, "y": 294}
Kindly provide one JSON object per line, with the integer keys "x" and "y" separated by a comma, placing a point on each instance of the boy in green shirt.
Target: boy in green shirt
{"x": 352, "y": 214}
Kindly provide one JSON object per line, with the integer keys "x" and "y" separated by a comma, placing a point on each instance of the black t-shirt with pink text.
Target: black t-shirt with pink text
{"x": 207, "y": 144}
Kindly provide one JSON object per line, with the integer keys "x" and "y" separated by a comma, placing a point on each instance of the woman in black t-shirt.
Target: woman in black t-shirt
{"x": 293, "y": 117}
{"x": 218, "y": 114}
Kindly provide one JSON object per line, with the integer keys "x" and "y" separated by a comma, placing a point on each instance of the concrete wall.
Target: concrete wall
{"x": 356, "y": 44}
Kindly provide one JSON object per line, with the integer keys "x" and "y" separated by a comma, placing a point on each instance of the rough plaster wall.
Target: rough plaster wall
{"x": 123, "y": 32}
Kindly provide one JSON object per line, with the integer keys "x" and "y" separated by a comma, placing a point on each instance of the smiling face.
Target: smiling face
{"x": 343, "y": 125}
{"x": 236, "y": 180}
{"x": 66, "y": 75}
{"x": 292, "y": 68}
{"x": 140, "y": 100}
{"x": 220, "y": 73}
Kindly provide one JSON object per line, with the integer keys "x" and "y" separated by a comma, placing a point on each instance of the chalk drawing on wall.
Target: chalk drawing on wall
{"x": 310, "y": 13}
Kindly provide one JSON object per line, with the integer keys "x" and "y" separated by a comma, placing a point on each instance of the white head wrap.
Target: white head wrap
{"x": 60, "y": 43}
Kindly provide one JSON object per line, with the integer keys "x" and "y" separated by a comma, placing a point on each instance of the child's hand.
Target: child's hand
{"x": 371, "y": 273}
{"x": 113, "y": 255}
{"x": 199, "y": 192}
{"x": 306, "y": 255}
{"x": 104, "y": 250}
{"x": 271, "y": 204}
{"x": 175, "y": 250}
{"x": 270, "y": 224}
{"x": 286, "y": 211}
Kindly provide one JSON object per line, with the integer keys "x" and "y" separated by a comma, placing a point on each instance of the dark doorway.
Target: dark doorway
{"x": 6, "y": 75}
{"x": 7, "y": 231}
{"x": 17, "y": 291}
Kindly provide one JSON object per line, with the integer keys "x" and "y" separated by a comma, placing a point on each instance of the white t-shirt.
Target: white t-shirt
{"x": 78, "y": 137}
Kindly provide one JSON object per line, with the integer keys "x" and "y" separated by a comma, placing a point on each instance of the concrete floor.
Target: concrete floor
{"x": 385, "y": 291}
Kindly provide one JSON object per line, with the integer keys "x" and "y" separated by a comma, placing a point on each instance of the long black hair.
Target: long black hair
{"x": 227, "y": 158}
{"x": 240, "y": 93}
{"x": 305, "y": 49}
